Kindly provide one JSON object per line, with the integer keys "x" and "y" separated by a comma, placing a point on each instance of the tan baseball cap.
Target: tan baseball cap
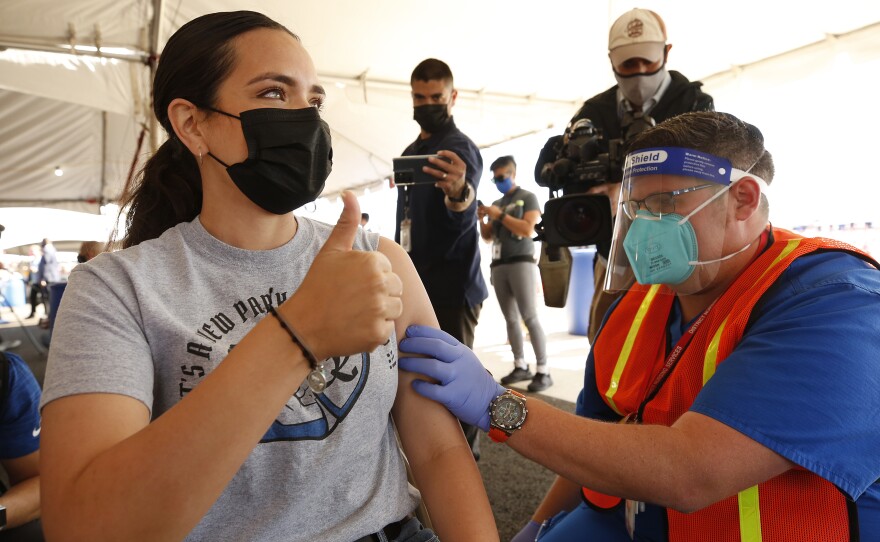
{"x": 638, "y": 33}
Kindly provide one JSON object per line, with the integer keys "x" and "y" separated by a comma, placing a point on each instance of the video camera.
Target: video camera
{"x": 573, "y": 163}
{"x": 580, "y": 159}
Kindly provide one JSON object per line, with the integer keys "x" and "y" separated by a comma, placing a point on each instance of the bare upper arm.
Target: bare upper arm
{"x": 412, "y": 412}
{"x": 532, "y": 217}
{"x": 78, "y": 428}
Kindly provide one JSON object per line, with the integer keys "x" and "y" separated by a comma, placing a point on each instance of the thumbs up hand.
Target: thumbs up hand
{"x": 349, "y": 299}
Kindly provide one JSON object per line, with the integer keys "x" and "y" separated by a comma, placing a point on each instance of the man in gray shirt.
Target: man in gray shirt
{"x": 510, "y": 227}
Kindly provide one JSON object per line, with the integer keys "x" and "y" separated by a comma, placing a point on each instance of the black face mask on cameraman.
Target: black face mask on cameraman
{"x": 289, "y": 157}
{"x": 432, "y": 117}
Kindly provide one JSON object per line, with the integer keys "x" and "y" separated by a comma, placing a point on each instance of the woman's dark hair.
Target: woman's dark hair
{"x": 194, "y": 63}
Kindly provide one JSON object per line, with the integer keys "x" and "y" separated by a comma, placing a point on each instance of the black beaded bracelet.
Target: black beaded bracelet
{"x": 313, "y": 361}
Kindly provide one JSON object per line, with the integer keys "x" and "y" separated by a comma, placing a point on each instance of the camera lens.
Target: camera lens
{"x": 579, "y": 222}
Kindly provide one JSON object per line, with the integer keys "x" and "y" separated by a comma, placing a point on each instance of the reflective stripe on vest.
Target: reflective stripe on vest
{"x": 627, "y": 347}
{"x": 747, "y": 500}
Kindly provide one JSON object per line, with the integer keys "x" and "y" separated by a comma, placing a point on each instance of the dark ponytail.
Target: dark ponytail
{"x": 195, "y": 62}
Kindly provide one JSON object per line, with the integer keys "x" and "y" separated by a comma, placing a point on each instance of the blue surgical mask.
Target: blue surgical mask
{"x": 505, "y": 185}
{"x": 661, "y": 248}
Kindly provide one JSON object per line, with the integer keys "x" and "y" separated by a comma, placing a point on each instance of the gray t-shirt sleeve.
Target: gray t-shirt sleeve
{"x": 530, "y": 202}
{"x": 98, "y": 345}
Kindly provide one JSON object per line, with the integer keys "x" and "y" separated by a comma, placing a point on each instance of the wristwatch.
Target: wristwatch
{"x": 507, "y": 413}
{"x": 2, "y": 517}
{"x": 465, "y": 192}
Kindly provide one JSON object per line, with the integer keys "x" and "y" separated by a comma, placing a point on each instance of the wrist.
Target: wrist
{"x": 294, "y": 337}
{"x": 485, "y": 422}
{"x": 317, "y": 378}
{"x": 460, "y": 195}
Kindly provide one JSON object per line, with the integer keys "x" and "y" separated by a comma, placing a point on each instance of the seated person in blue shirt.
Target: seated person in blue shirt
{"x": 19, "y": 450}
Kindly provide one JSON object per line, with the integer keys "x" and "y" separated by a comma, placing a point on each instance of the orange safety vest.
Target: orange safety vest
{"x": 629, "y": 354}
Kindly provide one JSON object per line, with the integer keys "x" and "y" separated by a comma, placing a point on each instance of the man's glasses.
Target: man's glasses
{"x": 498, "y": 179}
{"x": 661, "y": 203}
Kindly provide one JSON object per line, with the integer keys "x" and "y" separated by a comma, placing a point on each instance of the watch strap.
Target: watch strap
{"x": 497, "y": 435}
{"x": 465, "y": 192}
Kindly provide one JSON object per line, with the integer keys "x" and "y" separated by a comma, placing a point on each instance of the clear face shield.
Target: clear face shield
{"x": 671, "y": 225}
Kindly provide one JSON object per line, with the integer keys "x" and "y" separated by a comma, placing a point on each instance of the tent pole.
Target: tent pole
{"x": 103, "y": 159}
{"x": 155, "y": 34}
{"x": 58, "y": 46}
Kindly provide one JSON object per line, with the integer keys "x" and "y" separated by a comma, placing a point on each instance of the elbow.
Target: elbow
{"x": 686, "y": 505}
{"x": 691, "y": 497}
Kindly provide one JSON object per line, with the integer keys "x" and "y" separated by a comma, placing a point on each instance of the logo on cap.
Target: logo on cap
{"x": 635, "y": 28}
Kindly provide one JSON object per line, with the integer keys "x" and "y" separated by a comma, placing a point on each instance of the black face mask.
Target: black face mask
{"x": 432, "y": 118}
{"x": 289, "y": 157}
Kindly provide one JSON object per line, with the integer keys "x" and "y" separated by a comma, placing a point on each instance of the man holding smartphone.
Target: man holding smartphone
{"x": 437, "y": 223}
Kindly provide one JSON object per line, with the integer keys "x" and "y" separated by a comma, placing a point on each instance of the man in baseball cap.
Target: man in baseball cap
{"x": 646, "y": 93}
{"x": 637, "y": 48}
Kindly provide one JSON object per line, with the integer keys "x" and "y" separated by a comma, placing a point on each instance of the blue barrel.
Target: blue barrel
{"x": 13, "y": 293}
{"x": 580, "y": 290}
{"x": 56, "y": 290}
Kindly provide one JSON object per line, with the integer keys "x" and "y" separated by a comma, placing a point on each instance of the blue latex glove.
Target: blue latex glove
{"x": 465, "y": 387}
{"x": 528, "y": 533}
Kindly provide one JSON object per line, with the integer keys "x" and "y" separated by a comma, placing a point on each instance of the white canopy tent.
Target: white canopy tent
{"x": 520, "y": 68}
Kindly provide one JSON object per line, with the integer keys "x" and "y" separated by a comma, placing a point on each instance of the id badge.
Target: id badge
{"x": 632, "y": 508}
{"x": 405, "y": 238}
{"x": 496, "y": 250}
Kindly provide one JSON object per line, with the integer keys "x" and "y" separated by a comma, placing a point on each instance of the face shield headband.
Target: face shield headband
{"x": 652, "y": 244}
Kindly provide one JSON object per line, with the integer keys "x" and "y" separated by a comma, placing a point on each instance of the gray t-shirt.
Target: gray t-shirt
{"x": 515, "y": 203}
{"x": 151, "y": 321}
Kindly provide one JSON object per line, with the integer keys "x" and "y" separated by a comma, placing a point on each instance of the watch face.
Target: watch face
{"x": 509, "y": 412}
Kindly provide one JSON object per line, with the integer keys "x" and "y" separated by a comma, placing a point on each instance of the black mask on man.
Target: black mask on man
{"x": 289, "y": 157}
{"x": 432, "y": 117}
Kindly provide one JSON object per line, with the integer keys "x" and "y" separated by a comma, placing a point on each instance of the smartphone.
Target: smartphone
{"x": 408, "y": 170}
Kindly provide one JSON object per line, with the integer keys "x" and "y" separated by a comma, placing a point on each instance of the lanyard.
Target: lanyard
{"x": 671, "y": 361}
{"x": 405, "y": 202}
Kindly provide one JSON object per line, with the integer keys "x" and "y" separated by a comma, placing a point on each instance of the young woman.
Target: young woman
{"x": 184, "y": 397}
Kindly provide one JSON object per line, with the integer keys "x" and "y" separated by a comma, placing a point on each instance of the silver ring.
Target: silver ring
{"x": 444, "y": 175}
